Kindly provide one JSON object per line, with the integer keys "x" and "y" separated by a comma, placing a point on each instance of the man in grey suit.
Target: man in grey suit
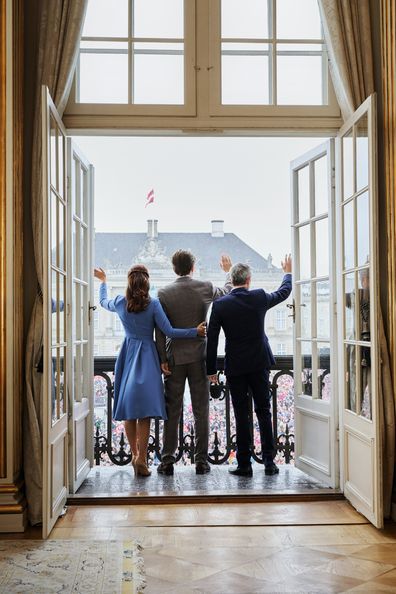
{"x": 185, "y": 301}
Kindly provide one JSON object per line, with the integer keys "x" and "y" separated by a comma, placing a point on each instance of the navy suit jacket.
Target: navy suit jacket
{"x": 241, "y": 314}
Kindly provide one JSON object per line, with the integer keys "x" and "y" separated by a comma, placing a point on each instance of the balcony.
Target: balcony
{"x": 112, "y": 474}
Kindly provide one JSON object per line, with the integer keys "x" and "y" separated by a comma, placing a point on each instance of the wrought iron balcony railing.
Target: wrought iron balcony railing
{"x": 110, "y": 446}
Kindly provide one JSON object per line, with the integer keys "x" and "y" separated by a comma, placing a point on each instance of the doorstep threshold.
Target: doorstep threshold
{"x": 202, "y": 497}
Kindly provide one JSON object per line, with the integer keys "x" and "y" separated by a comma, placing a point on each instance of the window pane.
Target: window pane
{"x": 299, "y": 80}
{"x": 244, "y": 73}
{"x": 106, "y": 19}
{"x": 158, "y": 78}
{"x": 306, "y": 366}
{"x": 364, "y": 304}
{"x": 55, "y": 363}
{"x": 54, "y": 308}
{"x": 323, "y": 367}
{"x": 61, "y": 141}
{"x": 84, "y": 195}
{"x": 350, "y": 377}
{"x": 323, "y": 309}
{"x": 322, "y": 247}
{"x": 158, "y": 18}
{"x": 53, "y": 154}
{"x": 246, "y": 19}
{"x": 298, "y": 20}
{"x": 321, "y": 186}
{"x": 349, "y": 239}
{"x": 361, "y": 153}
{"x": 77, "y": 250}
{"x": 350, "y": 304}
{"x": 363, "y": 229}
{"x": 305, "y": 252}
{"x": 347, "y": 162}
{"x": 364, "y": 366}
{"x": 304, "y": 208}
{"x": 54, "y": 229}
{"x": 103, "y": 78}
{"x": 61, "y": 307}
{"x": 305, "y": 310}
{"x": 61, "y": 237}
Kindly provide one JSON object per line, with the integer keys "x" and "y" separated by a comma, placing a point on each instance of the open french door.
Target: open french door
{"x": 55, "y": 309}
{"x": 336, "y": 301}
{"x": 358, "y": 302}
{"x": 67, "y": 335}
{"x": 315, "y": 392}
{"x": 80, "y": 230}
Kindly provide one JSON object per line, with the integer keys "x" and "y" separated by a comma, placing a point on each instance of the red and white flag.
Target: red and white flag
{"x": 150, "y": 198}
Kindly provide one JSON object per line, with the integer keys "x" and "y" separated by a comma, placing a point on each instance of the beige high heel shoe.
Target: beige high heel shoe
{"x": 142, "y": 469}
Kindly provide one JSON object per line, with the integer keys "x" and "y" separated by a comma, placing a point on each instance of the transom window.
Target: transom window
{"x": 202, "y": 59}
{"x": 272, "y": 53}
{"x": 132, "y": 51}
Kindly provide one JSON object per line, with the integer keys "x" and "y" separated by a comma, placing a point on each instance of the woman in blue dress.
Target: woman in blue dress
{"x": 138, "y": 387}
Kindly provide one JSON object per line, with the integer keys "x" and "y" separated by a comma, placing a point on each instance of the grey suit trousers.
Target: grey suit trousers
{"x": 195, "y": 373}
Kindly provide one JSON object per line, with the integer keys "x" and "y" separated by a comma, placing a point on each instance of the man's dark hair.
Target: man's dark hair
{"x": 183, "y": 262}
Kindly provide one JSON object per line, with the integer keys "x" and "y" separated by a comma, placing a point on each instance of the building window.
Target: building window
{"x": 281, "y": 349}
{"x": 118, "y": 328}
{"x": 280, "y": 319}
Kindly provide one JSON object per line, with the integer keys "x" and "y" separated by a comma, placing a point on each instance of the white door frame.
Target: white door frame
{"x": 316, "y": 419}
{"x": 360, "y": 437}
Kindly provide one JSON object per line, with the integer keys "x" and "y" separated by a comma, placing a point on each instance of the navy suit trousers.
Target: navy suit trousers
{"x": 258, "y": 384}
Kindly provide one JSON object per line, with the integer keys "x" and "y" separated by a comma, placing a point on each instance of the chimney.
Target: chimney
{"x": 217, "y": 228}
{"x": 150, "y": 228}
{"x": 155, "y": 228}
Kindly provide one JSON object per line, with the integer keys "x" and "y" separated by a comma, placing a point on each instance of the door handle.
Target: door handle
{"x": 292, "y": 306}
{"x": 90, "y": 308}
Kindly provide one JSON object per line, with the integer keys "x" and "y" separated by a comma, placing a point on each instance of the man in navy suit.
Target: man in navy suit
{"x": 248, "y": 359}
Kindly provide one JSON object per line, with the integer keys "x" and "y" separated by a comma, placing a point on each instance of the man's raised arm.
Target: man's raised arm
{"x": 285, "y": 289}
{"x": 225, "y": 264}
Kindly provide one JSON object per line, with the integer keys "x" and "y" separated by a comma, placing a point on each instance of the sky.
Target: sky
{"x": 244, "y": 181}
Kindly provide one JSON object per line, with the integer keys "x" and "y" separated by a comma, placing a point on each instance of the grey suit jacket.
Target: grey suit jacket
{"x": 186, "y": 302}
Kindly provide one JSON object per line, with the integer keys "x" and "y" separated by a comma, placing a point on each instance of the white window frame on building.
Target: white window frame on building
{"x": 281, "y": 348}
{"x": 202, "y": 110}
{"x": 280, "y": 319}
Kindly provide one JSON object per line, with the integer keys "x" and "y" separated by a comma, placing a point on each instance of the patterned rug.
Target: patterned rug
{"x": 70, "y": 566}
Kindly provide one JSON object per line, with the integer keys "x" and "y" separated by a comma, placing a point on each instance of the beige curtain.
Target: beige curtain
{"x": 347, "y": 32}
{"x": 61, "y": 23}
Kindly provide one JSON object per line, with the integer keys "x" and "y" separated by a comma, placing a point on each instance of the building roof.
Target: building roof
{"x": 121, "y": 250}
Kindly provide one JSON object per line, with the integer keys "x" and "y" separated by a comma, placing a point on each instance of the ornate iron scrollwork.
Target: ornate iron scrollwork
{"x": 222, "y": 440}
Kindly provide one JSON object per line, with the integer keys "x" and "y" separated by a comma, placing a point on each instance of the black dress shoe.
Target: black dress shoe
{"x": 202, "y": 468}
{"x": 165, "y": 468}
{"x": 241, "y": 471}
{"x": 271, "y": 468}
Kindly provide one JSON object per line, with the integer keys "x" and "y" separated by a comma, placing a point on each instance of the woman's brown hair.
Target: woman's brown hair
{"x": 137, "y": 293}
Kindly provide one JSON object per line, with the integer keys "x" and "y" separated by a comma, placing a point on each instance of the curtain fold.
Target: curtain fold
{"x": 347, "y": 32}
{"x": 60, "y": 28}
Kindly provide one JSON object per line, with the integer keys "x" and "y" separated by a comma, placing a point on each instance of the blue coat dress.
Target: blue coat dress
{"x": 138, "y": 387}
